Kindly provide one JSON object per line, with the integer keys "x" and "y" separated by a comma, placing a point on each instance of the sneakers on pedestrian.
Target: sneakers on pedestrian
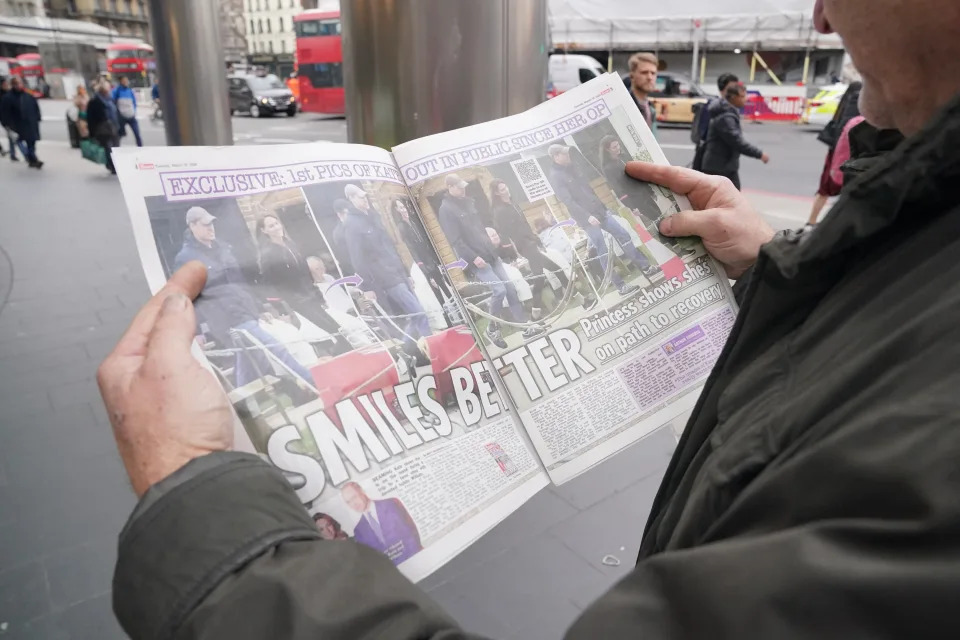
{"x": 627, "y": 289}
{"x": 494, "y": 335}
{"x": 651, "y": 271}
{"x": 14, "y": 159}
{"x": 533, "y": 331}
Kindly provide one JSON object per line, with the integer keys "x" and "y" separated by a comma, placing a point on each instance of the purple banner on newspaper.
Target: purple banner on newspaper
{"x": 685, "y": 339}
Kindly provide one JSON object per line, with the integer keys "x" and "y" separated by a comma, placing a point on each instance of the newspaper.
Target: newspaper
{"x": 417, "y": 354}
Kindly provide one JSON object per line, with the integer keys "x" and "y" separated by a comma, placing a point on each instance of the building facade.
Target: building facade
{"x": 22, "y": 8}
{"x": 129, "y": 18}
{"x": 233, "y": 30}
{"x": 269, "y": 25}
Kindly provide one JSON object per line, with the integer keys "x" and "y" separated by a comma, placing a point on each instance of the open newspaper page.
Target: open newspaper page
{"x": 335, "y": 334}
{"x": 601, "y": 329}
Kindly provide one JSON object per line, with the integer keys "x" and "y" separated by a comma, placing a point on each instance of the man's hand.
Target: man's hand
{"x": 765, "y": 158}
{"x": 479, "y": 262}
{"x": 594, "y": 221}
{"x": 370, "y": 296}
{"x": 165, "y": 408}
{"x": 728, "y": 225}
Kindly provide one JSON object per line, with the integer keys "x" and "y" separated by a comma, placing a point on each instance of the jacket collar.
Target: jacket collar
{"x": 915, "y": 183}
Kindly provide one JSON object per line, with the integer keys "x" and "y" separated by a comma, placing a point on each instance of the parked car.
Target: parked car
{"x": 820, "y": 108}
{"x": 260, "y": 95}
{"x": 674, "y": 98}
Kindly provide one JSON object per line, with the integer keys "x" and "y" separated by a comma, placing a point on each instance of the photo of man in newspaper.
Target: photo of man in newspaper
{"x": 328, "y": 320}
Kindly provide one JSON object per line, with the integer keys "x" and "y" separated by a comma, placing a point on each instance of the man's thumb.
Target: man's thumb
{"x": 174, "y": 329}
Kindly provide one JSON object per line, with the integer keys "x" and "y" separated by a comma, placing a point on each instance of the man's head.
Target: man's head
{"x": 341, "y": 207}
{"x": 559, "y": 153}
{"x": 357, "y": 197}
{"x": 643, "y": 72}
{"x": 355, "y": 497}
{"x": 4, "y": 84}
{"x": 200, "y": 223}
{"x": 16, "y": 84}
{"x": 124, "y": 81}
{"x": 906, "y": 51}
{"x": 103, "y": 88}
{"x": 456, "y": 186}
{"x": 726, "y": 79}
{"x": 736, "y": 94}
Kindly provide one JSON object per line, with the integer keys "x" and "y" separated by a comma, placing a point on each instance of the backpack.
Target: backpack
{"x": 701, "y": 121}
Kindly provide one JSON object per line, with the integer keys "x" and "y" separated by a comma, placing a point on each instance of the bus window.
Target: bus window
{"x": 307, "y": 28}
{"x": 323, "y": 74}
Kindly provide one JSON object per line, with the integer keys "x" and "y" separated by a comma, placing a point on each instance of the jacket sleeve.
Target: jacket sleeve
{"x": 454, "y": 232}
{"x": 858, "y": 536}
{"x": 355, "y": 252}
{"x": 578, "y": 213}
{"x": 224, "y": 549}
{"x": 728, "y": 128}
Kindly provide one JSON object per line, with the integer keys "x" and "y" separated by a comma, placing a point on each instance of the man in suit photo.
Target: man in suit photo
{"x": 384, "y": 525}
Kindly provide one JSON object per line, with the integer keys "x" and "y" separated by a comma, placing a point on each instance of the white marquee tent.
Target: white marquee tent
{"x": 675, "y": 24}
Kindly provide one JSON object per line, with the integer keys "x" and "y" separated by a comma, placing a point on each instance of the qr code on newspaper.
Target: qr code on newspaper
{"x": 532, "y": 179}
{"x": 528, "y": 171}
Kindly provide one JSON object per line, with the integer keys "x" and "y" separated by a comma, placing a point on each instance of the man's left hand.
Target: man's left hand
{"x": 165, "y": 408}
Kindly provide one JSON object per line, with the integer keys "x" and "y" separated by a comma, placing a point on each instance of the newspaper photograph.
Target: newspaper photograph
{"x": 601, "y": 329}
{"x": 339, "y": 339}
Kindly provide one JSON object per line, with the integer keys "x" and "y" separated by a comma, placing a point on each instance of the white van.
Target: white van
{"x": 567, "y": 70}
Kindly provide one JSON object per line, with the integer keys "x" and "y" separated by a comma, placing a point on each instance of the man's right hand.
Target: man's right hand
{"x": 765, "y": 158}
{"x": 731, "y": 230}
{"x": 594, "y": 221}
{"x": 370, "y": 295}
{"x": 479, "y": 262}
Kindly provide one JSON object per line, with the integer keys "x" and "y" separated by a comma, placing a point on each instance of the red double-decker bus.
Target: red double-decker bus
{"x": 30, "y": 69}
{"x": 319, "y": 61}
{"x": 134, "y": 60}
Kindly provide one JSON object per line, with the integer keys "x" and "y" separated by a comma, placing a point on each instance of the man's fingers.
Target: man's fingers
{"x": 169, "y": 341}
{"x": 691, "y": 223}
{"x": 188, "y": 281}
{"x": 697, "y": 186}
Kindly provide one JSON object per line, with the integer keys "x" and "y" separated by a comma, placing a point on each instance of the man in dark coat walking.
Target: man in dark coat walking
{"x": 725, "y": 142}
{"x": 812, "y": 496}
{"x": 20, "y": 113}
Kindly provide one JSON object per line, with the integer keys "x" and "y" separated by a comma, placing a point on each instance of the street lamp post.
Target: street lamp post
{"x": 189, "y": 55}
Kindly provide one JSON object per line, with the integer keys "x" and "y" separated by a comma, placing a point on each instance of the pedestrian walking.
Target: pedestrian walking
{"x": 701, "y": 121}
{"x": 20, "y": 115}
{"x": 126, "y": 101}
{"x": 846, "y": 111}
{"x": 725, "y": 141}
{"x": 643, "y": 81}
{"x": 104, "y": 121}
{"x": 4, "y": 88}
{"x": 80, "y": 101}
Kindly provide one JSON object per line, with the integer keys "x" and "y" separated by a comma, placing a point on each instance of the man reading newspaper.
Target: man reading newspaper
{"x": 813, "y": 494}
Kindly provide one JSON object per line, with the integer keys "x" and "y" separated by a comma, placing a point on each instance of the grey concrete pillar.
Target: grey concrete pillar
{"x": 193, "y": 85}
{"x": 416, "y": 67}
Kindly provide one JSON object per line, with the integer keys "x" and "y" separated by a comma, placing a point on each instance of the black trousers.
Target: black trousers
{"x": 538, "y": 264}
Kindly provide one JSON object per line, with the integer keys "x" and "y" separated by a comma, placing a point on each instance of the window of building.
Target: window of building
{"x": 280, "y": 28}
{"x": 72, "y": 6}
{"x": 269, "y": 22}
{"x": 99, "y": 5}
{"x": 113, "y": 6}
{"x": 258, "y": 5}
{"x": 283, "y": 46}
{"x": 271, "y": 46}
{"x": 252, "y": 29}
{"x": 291, "y": 4}
{"x": 128, "y": 6}
{"x": 142, "y": 6}
{"x": 279, "y": 4}
{"x": 259, "y": 25}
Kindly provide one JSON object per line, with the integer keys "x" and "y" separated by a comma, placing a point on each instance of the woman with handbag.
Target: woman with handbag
{"x": 846, "y": 110}
{"x": 103, "y": 121}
